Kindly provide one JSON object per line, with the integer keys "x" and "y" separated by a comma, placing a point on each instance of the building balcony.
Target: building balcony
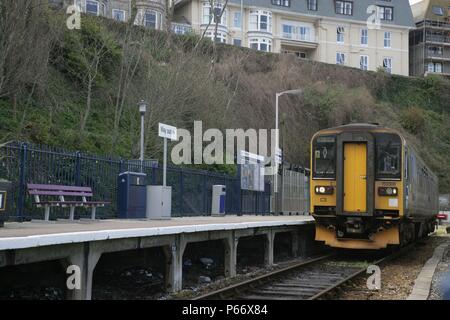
{"x": 439, "y": 57}
{"x": 438, "y": 39}
{"x": 298, "y": 40}
{"x": 434, "y": 24}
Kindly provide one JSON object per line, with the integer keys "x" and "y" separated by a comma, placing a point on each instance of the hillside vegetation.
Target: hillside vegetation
{"x": 79, "y": 89}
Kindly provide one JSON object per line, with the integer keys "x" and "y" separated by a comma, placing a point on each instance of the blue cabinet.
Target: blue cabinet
{"x": 131, "y": 195}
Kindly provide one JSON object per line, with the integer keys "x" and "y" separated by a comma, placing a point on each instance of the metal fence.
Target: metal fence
{"x": 22, "y": 163}
{"x": 295, "y": 192}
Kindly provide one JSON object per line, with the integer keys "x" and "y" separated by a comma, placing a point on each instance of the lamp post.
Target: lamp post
{"x": 278, "y": 197}
{"x": 142, "y": 110}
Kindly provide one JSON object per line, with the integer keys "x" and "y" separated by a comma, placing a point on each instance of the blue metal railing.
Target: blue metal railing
{"x": 22, "y": 163}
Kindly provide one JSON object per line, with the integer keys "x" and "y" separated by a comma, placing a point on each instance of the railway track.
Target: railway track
{"x": 306, "y": 280}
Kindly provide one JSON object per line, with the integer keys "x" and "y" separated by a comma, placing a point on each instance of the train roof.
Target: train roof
{"x": 358, "y": 127}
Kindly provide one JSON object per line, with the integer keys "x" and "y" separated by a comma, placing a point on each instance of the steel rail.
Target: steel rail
{"x": 266, "y": 276}
{"x": 260, "y": 280}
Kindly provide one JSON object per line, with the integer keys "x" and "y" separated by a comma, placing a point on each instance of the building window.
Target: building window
{"x": 282, "y": 3}
{"x": 340, "y": 32}
{"x": 386, "y": 13}
{"x": 261, "y": 44}
{"x": 387, "y": 39}
{"x": 263, "y": 23}
{"x": 387, "y": 65}
{"x": 92, "y": 7}
{"x": 364, "y": 37}
{"x": 435, "y": 51}
{"x": 438, "y": 67}
{"x": 260, "y": 21}
{"x": 181, "y": 28}
{"x": 237, "y": 19}
{"x": 435, "y": 67}
{"x": 237, "y": 42}
{"x": 364, "y": 62}
{"x": 344, "y": 7}
{"x": 438, "y": 10}
{"x": 312, "y": 5}
{"x": 288, "y": 31}
{"x": 305, "y": 34}
{"x": 119, "y": 15}
{"x": 340, "y": 58}
{"x": 221, "y": 37}
{"x": 152, "y": 19}
{"x": 208, "y": 16}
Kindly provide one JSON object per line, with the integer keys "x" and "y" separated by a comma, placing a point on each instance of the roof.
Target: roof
{"x": 423, "y": 10}
{"x": 326, "y": 8}
{"x": 372, "y": 127}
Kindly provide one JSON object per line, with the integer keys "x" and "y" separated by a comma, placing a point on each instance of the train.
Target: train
{"x": 369, "y": 188}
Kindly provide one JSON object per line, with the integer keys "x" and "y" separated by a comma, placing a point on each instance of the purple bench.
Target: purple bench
{"x": 47, "y": 196}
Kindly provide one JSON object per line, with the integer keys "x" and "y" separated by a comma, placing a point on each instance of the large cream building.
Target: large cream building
{"x": 330, "y": 31}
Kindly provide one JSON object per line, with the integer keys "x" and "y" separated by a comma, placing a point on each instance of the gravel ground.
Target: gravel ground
{"x": 397, "y": 276}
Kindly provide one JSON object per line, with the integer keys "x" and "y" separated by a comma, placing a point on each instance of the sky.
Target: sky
{"x": 414, "y": 1}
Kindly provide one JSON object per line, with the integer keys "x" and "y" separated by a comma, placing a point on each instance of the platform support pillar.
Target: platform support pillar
{"x": 86, "y": 260}
{"x": 230, "y": 250}
{"x": 269, "y": 247}
{"x": 174, "y": 264}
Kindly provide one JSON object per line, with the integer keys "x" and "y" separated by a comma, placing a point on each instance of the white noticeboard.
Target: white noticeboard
{"x": 168, "y": 132}
{"x": 252, "y": 171}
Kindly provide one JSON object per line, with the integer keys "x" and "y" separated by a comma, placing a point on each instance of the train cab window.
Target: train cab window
{"x": 388, "y": 156}
{"x": 324, "y": 155}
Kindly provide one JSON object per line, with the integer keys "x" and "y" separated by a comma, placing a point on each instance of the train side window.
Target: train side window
{"x": 406, "y": 164}
{"x": 324, "y": 157}
{"x": 388, "y": 155}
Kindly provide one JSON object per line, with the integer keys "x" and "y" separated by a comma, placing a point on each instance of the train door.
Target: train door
{"x": 355, "y": 177}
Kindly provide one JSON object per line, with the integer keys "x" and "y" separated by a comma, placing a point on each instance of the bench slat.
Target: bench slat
{"x": 53, "y": 187}
{"x": 81, "y": 203}
{"x": 60, "y": 193}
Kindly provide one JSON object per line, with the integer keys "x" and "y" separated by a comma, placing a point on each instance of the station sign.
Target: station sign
{"x": 168, "y": 132}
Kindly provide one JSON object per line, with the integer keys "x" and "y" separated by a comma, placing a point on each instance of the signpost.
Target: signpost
{"x": 167, "y": 132}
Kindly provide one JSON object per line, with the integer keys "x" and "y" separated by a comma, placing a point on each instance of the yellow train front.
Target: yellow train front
{"x": 369, "y": 188}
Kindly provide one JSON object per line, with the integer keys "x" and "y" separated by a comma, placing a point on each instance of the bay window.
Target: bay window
{"x": 209, "y": 14}
{"x": 261, "y": 44}
{"x": 153, "y": 19}
{"x": 118, "y": 15}
{"x": 92, "y": 7}
{"x": 260, "y": 20}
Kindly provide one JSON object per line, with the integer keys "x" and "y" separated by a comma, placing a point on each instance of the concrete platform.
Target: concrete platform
{"x": 422, "y": 284}
{"x": 82, "y": 243}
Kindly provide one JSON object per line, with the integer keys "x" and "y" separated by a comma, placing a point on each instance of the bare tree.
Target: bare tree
{"x": 132, "y": 51}
{"x": 25, "y": 43}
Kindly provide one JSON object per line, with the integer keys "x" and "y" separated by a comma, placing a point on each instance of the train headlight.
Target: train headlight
{"x": 387, "y": 191}
{"x": 324, "y": 189}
